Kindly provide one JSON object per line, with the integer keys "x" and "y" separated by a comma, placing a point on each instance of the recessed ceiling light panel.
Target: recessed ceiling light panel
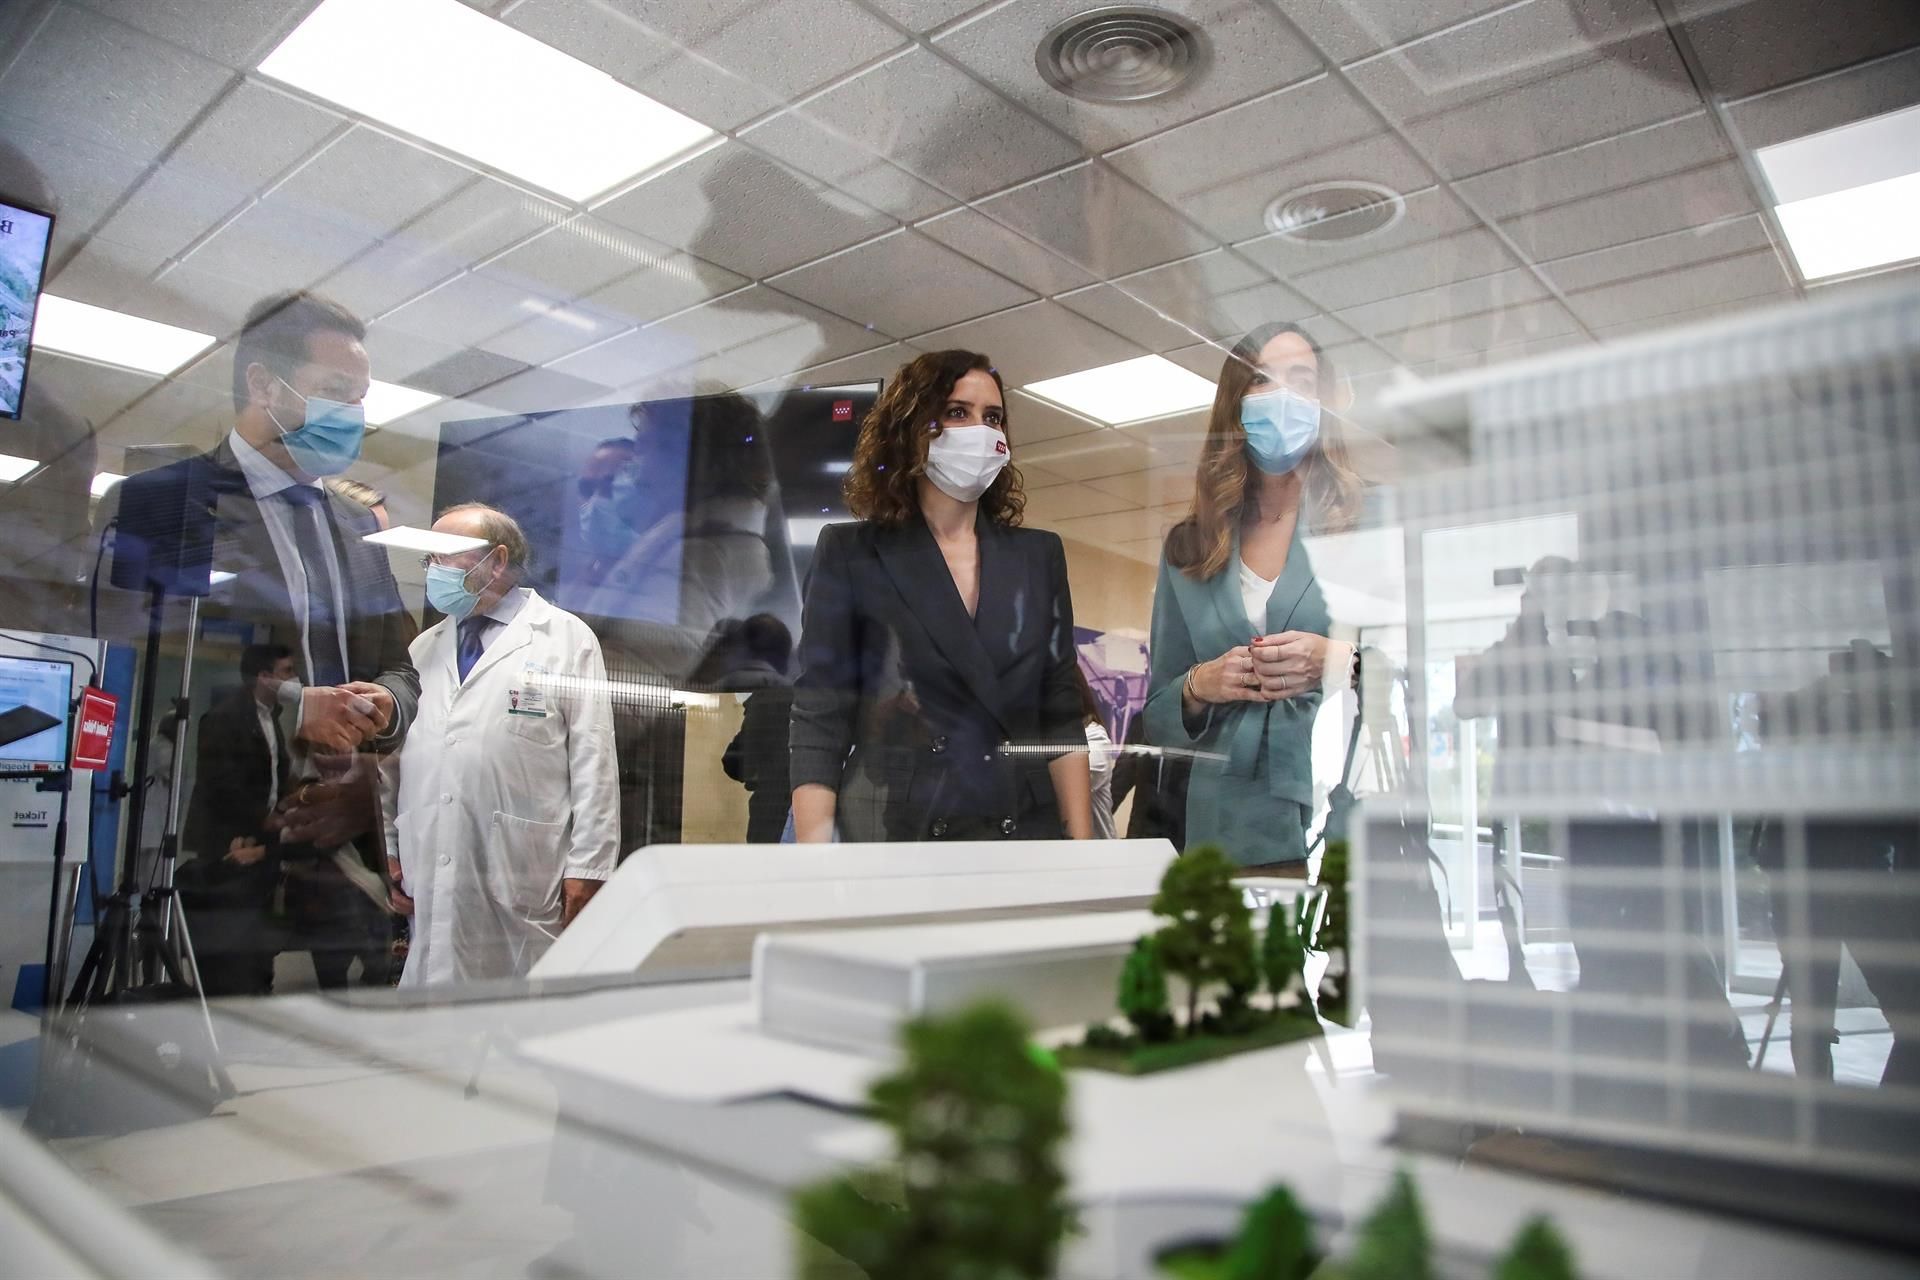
{"x": 13, "y": 467}
{"x": 467, "y": 82}
{"x": 103, "y": 481}
{"x": 1848, "y": 199}
{"x": 1123, "y": 53}
{"x": 113, "y": 337}
{"x": 409, "y": 538}
{"x": 1130, "y": 391}
{"x": 1335, "y": 211}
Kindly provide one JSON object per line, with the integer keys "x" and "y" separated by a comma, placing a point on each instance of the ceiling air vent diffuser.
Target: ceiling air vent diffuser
{"x": 1126, "y": 53}
{"x": 1335, "y": 211}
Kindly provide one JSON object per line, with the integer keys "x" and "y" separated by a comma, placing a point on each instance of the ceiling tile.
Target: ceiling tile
{"x": 1830, "y": 101}
{"x": 1039, "y": 340}
{"x": 1219, "y": 294}
{"x": 1581, "y": 105}
{"x": 1410, "y": 270}
{"x": 1048, "y": 506}
{"x": 1802, "y": 38}
{"x": 1607, "y": 165}
{"x": 275, "y": 246}
{"x": 1175, "y": 441}
{"x": 674, "y": 283}
{"x": 1449, "y": 301}
{"x": 1091, "y": 455}
{"x": 555, "y": 330}
{"x": 234, "y": 33}
{"x": 1253, "y": 51}
{"x": 629, "y": 359}
{"x": 1129, "y": 527}
{"x": 106, "y": 274}
{"x": 1098, "y": 220}
{"x": 792, "y": 138}
{"x": 1511, "y": 47}
{"x": 1351, "y": 29}
{"x": 766, "y": 54}
{"x": 541, "y": 390}
{"x": 1206, "y": 168}
{"x": 1429, "y": 215}
{"x": 1659, "y": 205}
{"x": 397, "y": 354}
{"x": 902, "y": 283}
{"x": 93, "y": 80}
{"x": 95, "y": 392}
{"x": 1658, "y": 254}
{"x": 924, "y": 15}
{"x": 981, "y": 238}
{"x": 1155, "y": 487}
{"x": 464, "y": 372}
{"x": 78, "y": 181}
{"x": 1675, "y": 321}
{"x": 744, "y": 211}
{"x": 251, "y": 137}
{"x": 780, "y": 354}
{"x": 1488, "y": 331}
{"x": 880, "y": 363}
{"x": 1750, "y": 275}
{"x": 940, "y": 125}
{"x": 577, "y": 257}
{"x": 628, "y": 47}
{"x": 1031, "y": 420}
{"x": 371, "y": 183}
{"x": 1109, "y": 306}
{"x": 479, "y": 221}
{"x": 470, "y": 307}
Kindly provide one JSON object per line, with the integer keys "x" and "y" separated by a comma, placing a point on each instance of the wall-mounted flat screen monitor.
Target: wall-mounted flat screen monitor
{"x": 24, "y": 234}
{"x": 661, "y": 522}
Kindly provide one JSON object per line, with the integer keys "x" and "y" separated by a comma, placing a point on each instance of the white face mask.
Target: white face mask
{"x": 963, "y": 462}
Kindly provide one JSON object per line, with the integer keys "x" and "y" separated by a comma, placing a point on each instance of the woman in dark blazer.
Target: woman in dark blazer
{"x": 1241, "y": 653}
{"x": 937, "y": 698}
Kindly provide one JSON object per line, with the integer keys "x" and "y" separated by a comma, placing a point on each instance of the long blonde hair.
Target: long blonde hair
{"x": 1201, "y": 545}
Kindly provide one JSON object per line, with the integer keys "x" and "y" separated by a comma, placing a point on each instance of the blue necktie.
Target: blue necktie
{"x": 310, "y": 535}
{"x": 471, "y": 629}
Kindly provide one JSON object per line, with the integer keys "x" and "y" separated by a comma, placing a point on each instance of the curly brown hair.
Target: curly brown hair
{"x": 1200, "y": 545}
{"x": 883, "y": 484}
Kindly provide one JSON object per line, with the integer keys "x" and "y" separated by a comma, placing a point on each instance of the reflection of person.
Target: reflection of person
{"x": 1527, "y": 676}
{"x": 505, "y": 812}
{"x": 299, "y": 567}
{"x": 1100, "y": 758}
{"x": 756, "y": 657}
{"x": 1240, "y": 646}
{"x": 240, "y": 771}
{"x": 937, "y": 632}
{"x": 1861, "y": 870}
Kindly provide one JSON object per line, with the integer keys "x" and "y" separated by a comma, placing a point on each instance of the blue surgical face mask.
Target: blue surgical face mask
{"x": 327, "y": 441}
{"x": 447, "y": 590}
{"x": 607, "y": 519}
{"x": 1282, "y": 427}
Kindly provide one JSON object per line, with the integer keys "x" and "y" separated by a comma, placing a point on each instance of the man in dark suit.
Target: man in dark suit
{"x": 241, "y": 760}
{"x": 288, "y": 555}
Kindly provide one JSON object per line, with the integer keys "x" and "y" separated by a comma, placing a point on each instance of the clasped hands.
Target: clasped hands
{"x": 344, "y": 717}
{"x": 1266, "y": 669}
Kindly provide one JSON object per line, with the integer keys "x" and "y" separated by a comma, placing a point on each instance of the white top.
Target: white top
{"x": 1255, "y": 591}
{"x": 1100, "y": 758}
{"x": 265, "y": 716}
{"x": 267, "y": 481}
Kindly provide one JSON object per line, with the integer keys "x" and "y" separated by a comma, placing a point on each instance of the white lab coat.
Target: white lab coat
{"x": 506, "y": 785}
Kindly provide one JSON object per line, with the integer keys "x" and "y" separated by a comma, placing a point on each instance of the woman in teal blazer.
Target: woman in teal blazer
{"x": 1241, "y": 653}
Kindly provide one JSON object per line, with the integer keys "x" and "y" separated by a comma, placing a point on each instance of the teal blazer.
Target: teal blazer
{"x": 1252, "y": 785}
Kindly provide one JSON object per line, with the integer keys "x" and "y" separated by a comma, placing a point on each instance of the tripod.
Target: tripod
{"x": 142, "y": 949}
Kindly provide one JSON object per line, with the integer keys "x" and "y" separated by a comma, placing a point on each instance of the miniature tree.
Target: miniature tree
{"x": 1393, "y": 1242}
{"x": 978, "y": 1119}
{"x": 1275, "y": 1241}
{"x": 1537, "y": 1253}
{"x": 1208, "y": 937}
{"x": 1143, "y": 993}
{"x": 1283, "y": 953}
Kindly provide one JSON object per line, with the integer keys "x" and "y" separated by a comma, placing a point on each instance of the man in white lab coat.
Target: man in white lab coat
{"x": 504, "y": 810}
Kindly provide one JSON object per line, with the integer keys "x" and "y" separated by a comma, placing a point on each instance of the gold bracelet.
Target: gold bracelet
{"x": 1186, "y": 686}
